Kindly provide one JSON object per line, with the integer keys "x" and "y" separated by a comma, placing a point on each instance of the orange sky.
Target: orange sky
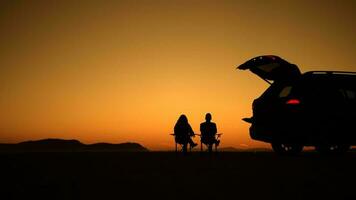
{"x": 117, "y": 71}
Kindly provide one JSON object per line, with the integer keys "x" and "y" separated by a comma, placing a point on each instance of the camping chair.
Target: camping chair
{"x": 209, "y": 145}
{"x": 177, "y": 142}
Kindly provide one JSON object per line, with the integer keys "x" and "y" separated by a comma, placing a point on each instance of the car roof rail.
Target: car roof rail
{"x": 331, "y": 72}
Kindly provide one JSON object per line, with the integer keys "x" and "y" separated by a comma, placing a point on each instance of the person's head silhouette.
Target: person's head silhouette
{"x": 208, "y": 117}
{"x": 183, "y": 119}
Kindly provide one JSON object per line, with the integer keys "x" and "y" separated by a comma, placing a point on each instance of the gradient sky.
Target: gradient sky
{"x": 117, "y": 71}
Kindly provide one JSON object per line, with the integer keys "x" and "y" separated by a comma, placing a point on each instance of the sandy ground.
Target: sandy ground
{"x": 165, "y": 175}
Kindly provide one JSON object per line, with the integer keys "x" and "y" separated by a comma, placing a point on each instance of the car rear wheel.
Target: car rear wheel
{"x": 335, "y": 148}
{"x": 287, "y": 149}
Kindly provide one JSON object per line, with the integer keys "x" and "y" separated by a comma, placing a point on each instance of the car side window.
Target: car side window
{"x": 348, "y": 94}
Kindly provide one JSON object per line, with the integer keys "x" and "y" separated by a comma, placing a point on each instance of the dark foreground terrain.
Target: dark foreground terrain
{"x": 154, "y": 175}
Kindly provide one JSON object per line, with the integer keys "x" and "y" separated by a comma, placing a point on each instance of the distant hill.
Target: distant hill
{"x": 60, "y": 145}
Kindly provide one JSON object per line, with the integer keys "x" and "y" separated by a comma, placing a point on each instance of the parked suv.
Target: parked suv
{"x": 316, "y": 108}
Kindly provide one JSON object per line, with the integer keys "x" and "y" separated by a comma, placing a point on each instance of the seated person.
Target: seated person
{"x": 208, "y": 131}
{"x": 183, "y": 132}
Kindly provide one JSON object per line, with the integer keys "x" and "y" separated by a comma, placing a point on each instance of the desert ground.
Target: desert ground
{"x": 166, "y": 175}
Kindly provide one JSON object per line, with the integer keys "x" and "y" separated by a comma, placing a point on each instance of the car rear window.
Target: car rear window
{"x": 285, "y": 91}
{"x": 276, "y": 91}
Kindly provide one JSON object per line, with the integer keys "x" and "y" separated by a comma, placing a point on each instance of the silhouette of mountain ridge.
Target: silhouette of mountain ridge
{"x": 61, "y": 145}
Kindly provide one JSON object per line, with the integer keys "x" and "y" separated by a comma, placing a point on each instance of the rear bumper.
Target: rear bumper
{"x": 286, "y": 134}
{"x": 299, "y": 134}
{"x": 260, "y": 135}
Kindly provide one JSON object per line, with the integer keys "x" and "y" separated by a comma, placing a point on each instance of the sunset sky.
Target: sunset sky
{"x": 118, "y": 71}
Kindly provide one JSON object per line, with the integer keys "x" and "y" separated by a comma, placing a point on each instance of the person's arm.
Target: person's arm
{"x": 215, "y": 129}
{"x": 203, "y": 130}
{"x": 176, "y": 130}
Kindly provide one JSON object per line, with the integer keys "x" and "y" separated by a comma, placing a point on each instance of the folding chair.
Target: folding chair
{"x": 209, "y": 145}
{"x": 181, "y": 144}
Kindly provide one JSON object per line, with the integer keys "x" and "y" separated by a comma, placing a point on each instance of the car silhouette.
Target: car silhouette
{"x": 316, "y": 108}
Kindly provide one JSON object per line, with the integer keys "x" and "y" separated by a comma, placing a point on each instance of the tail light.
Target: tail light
{"x": 293, "y": 102}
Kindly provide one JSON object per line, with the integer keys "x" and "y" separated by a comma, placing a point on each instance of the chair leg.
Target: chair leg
{"x": 210, "y": 147}
{"x": 201, "y": 146}
{"x": 185, "y": 148}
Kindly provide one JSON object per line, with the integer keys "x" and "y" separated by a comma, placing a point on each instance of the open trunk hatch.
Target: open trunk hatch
{"x": 271, "y": 68}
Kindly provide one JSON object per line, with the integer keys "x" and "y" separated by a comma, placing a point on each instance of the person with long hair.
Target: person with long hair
{"x": 183, "y": 132}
